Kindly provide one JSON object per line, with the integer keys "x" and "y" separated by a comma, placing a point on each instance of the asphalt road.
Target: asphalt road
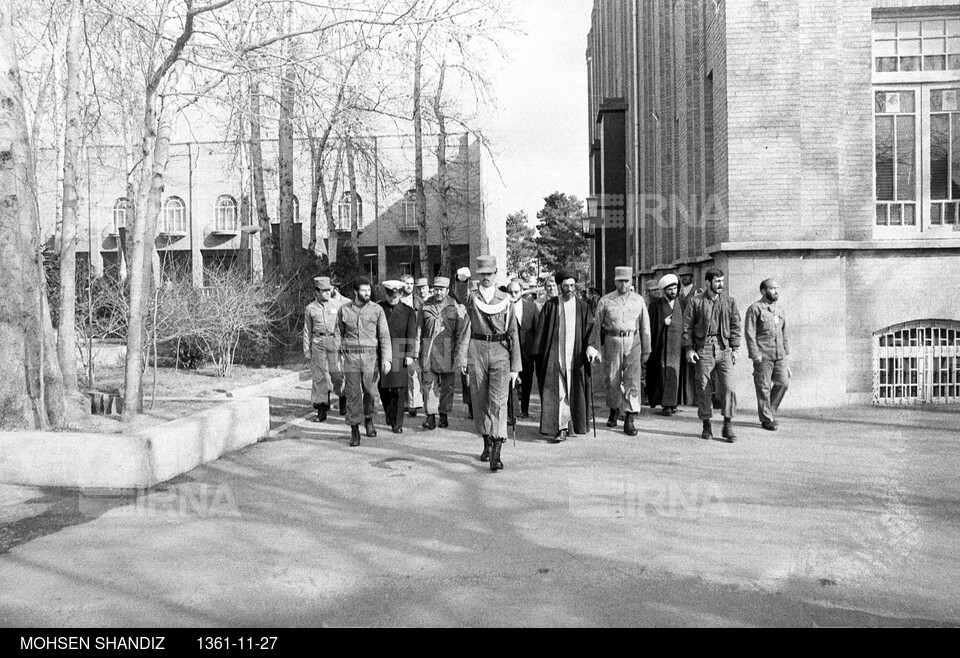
{"x": 844, "y": 517}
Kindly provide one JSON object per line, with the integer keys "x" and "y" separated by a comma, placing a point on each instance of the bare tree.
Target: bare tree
{"x": 31, "y": 385}
{"x": 67, "y": 337}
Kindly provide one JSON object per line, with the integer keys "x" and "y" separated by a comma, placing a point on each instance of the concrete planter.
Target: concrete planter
{"x": 134, "y": 461}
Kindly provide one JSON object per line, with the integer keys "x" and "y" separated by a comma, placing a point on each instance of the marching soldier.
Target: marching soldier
{"x": 495, "y": 352}
{"x": 365, "y": 351}
{"x": 402, "y": 322}
{"x": 442, "y": 333}
{"x": 768, "y": 346}
{"x": 319, "y": 326}
{"x": 625, "y": 327}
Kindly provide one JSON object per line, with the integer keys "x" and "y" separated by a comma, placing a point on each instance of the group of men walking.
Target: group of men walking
{"x": 410, "y": 348}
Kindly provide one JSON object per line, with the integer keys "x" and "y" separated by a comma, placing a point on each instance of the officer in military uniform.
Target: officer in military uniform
{"x": 319, "y": 326}
{"x": 442, "y": 335}
{"x": 497, "y": 361}
{"x": 768, "y": 345}
{"x": 625, "y": 331}
{"x": 363, "y": 336}
{"x": 402, "y": 321}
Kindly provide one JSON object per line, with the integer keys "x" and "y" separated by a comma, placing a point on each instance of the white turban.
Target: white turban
{"x": 669, "y": 280}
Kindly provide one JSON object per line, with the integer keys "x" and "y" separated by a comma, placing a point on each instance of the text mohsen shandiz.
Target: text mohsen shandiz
{"x": 81, "y": 642}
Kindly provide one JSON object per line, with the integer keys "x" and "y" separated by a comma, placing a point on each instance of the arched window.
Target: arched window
{"x": 174, "y": 216}
{"x": 296, "y": 211}
{"x": 917, "y": 362}
{"x": 409, "y": 206}
{"x": 120, "y": 207}
{"x": 343, "y": 212}
{"x": 227, "y": 214}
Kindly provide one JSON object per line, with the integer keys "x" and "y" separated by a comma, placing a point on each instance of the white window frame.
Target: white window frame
{"x": 226, "y": 214}
{"x": 343, "y": 212}
{"x": 922, "y": 83}
{"x": 174, "y": 216}
{"x": 408, "y": 222}
{"x": 119, "y": 214}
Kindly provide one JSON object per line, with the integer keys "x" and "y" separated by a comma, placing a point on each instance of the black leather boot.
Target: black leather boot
{"x": 727, "y": 431}
{"x": 495, "y": 463}
{"x": 444, "y": 422}
{"x": 430, "y": 423}
{"x": 628, "y": 427}
{"x": 470, "y": 411}
{"x": 343, "y": 405}
{"x": 614, "y": 417}
{"x": 485, "y": 455}
{"x": 354, "y": 436}
{"x": 707, "y": 433}
{"x": 368, "y": 425}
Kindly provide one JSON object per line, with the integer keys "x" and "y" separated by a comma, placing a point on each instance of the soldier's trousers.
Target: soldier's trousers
{"x": 489, "y": 387}
{"x": 771, "y": 380}
{"x": 715, "y": 369}
{"x": 435, "y": 401}
{"x": 393, "y": 400}
{"x": 414, "y": 393}
{"x": 360, "y": 375}
{"x": 325, "y": 373}
{"x": 623, "y": 373}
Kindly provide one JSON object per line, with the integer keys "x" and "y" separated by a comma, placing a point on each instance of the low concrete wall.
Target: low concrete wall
{"x": 69, "y": 459}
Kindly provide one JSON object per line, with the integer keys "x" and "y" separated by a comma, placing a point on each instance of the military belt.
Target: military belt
{"x": 359, "y": 350}
{"x": 489, "y": 338}
{"x": 621, "y": 334}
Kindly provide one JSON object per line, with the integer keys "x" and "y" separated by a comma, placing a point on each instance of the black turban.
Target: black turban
{"x": 563, "y": 275}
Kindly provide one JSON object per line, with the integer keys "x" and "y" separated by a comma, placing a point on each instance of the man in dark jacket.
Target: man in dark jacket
{"x": 527, "y": 321}
{"x": 442, "y": 339}
{"x": 711, "y": 338}
{"x": 402, "y": 322}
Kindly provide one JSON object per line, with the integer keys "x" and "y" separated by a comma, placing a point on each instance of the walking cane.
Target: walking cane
{"x": 593, "y": 406}
{"x": 513, "y": 392}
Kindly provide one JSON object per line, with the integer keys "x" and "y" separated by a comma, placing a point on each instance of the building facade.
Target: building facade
{"x": 206, "y": 205}
{"x": 817, "y": 143}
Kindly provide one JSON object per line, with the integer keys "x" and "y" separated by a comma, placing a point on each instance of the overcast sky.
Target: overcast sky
{"x": 540, "y": 120}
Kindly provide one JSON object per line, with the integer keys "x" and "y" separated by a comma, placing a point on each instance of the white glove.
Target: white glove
{"x": 592, "y": 353}
{"x": 463, "y": 274}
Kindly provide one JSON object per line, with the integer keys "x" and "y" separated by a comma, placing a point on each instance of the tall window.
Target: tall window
{"x": 120, "y": 207}
{"x": 227, "y": 214}
{"x": 343, "y": 212}
{"x": 917, "y": 124}
{"x": 409, "y": 205}
{"x": 174, "y": 216}
{"x": 296, "y": 211}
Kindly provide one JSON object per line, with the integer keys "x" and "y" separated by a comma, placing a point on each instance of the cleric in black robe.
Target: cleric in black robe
{"x": 665, "y": 369}
{"x": 567, "y": 342}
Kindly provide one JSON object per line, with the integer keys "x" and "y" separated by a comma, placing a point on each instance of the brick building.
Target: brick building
{"x": 815, "y": 142}
{"x": 200, "y": 222}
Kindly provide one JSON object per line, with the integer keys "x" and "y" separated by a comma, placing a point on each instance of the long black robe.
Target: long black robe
{"x": 665, "y": 368}
{"x": 547, "y": 345}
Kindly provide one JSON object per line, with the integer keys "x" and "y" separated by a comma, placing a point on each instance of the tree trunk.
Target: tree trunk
{"x": 314, "y": 191}
{"x": 267, "y": 247}
{"x": 328, "y": 201}
{"x": 288, "y": 251}
{"x": 443, "y": 186}
{"x": 421, "y": 194}
{"x": 155, "y": 152}
{"x": 31, "y": 386}
{"x": 354, "y": 210}
{"x": 67, "y": 336}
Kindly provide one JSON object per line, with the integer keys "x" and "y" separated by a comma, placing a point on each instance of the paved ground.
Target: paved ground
{"x": 842, "y": 517}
